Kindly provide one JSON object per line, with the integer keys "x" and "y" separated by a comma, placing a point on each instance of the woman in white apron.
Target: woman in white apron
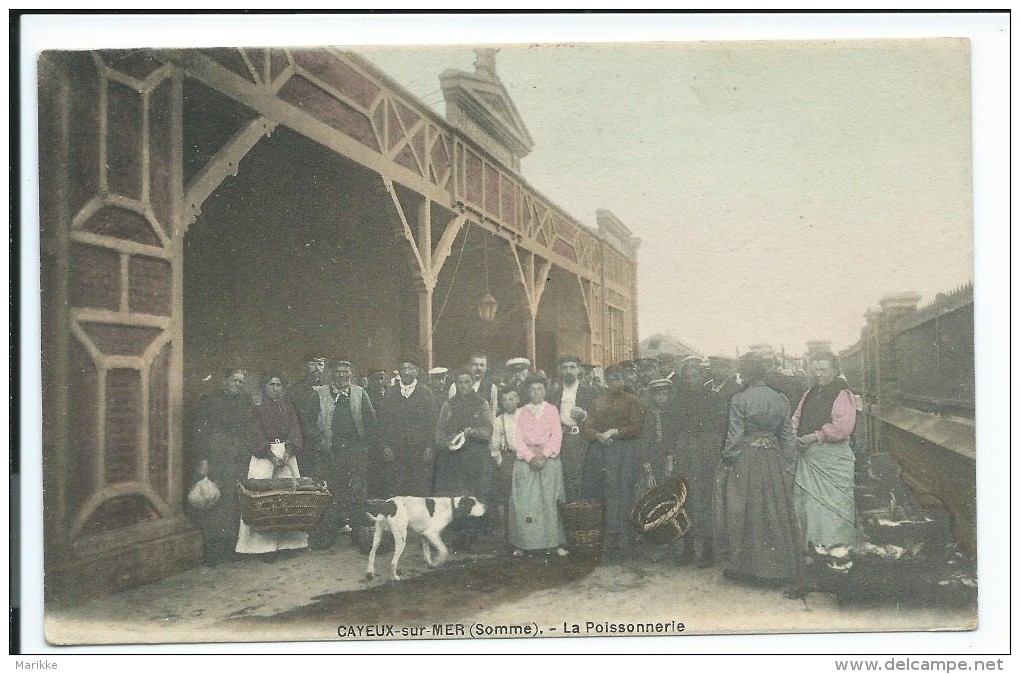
{"x": 275, "y": 437}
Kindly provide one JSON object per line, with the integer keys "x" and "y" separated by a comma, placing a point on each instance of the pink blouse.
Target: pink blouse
{"x": 844, "y": 416}
{"x": 538, "y": 436}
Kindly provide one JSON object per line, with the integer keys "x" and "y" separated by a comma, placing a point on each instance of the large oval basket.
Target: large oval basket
{"x": 267, "y": 505}
{"x": 660, "y": 514}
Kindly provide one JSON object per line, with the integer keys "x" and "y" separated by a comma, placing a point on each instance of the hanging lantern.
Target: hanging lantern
{"x": 487, "y": 306}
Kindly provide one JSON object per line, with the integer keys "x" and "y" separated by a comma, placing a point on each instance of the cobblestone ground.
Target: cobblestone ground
{"x": 312, "y": 595}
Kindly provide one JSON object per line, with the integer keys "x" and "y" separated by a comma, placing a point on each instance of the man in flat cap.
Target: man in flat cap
{"x": 376, "y": 385}
{"x": 574, "y": 400}
{"x": 518, "y": 370}
{"x": 437, "y": 378}
{"x": 407, "y": 424}
{"x": 660, "y": 435}
{"x": 304, "y": 395}
{"x": 439, "y": 381}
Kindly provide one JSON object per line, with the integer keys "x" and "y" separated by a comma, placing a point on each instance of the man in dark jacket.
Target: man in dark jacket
{"x": 304, "y": 396}
{"x": 574, "y": 400}
{"x": 407, "y": 425}
{"x": 481, "y": 381}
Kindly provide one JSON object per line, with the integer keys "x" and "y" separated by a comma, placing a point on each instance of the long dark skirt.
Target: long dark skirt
{"x": 697, "y": 460}
{"x": 756, "y": 530}
{"x": 577, "y": 477}
{"x": 464, "y": 472}
{"x": 612, "y": 474}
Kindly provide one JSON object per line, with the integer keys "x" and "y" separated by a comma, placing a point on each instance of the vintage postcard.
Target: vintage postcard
{"x": 503, "y": 340}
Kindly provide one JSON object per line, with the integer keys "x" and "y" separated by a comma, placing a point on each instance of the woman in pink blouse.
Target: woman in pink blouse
{"x": 537, "y": 487}
{"x": 823, "y": 491}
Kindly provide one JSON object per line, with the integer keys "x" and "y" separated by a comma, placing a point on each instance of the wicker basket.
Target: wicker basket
{"x": 671, "y": 530}
{"x": 283, "y": 509}
{"x": 660, "y": 514}
{"x": 584, "y": 522}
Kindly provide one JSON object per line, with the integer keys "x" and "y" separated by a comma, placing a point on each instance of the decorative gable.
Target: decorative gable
{"x": 479, "y": 105}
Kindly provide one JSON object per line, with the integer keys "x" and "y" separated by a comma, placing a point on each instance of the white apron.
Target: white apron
{"x": 252, "y": 542}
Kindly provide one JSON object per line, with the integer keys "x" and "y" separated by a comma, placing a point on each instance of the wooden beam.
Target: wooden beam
{"x": 425, "y": 232}
{"x": 267, "y": 104}
{"x": 251, "y": 66}
{"x": 423, "y": 271}
{"x": 86, "y": 315}
{"x": 224, "y": 163}
{"x": 527, "y": 243}
{"x": 176, "y": 470}
{"x": 120, "y": 245}
{"x": 586, "y": 300}
{"x": 526, "y": 280}
{"x": 543, "y": 276}
{"x": 445, "y": 245}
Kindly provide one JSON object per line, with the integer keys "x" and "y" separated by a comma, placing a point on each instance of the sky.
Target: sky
{"x": 783, "y": 173}
{"x": 779, "y": 189}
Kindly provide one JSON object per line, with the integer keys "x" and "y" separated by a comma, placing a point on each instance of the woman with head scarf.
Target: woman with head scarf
{"x": 274, "y": 440}
{"x": 537, "y": 484}
{"x": 756, "y": 534}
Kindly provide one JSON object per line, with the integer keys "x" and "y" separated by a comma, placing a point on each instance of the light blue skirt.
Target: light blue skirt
{"x": 823, "y": 494}
{"x": 535, "y": 521}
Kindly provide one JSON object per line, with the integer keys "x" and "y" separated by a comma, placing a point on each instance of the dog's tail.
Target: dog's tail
{"x": 377, "y": 509}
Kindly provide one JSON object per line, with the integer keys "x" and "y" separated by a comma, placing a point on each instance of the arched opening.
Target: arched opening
{"x": 562, "y": 325}
{"x": 299, "y": 252}
{"x": 458, "y": 327}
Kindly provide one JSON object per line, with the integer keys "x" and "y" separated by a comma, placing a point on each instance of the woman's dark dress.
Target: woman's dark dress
{"x": 756, "y": 531}
{"x": 220, "y": 436}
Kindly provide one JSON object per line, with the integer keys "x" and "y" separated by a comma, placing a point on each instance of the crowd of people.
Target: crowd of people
{"x": 766, "y": 458}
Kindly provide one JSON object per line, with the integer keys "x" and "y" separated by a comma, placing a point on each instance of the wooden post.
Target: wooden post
{"x": 425, "y": 325}
{"x": 532, "y": 348}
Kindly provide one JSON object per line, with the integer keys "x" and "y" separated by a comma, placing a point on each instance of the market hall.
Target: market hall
{"x": 249, "y": 205}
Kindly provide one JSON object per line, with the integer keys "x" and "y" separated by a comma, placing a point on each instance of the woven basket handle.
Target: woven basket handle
{"x": 293, "y": 479}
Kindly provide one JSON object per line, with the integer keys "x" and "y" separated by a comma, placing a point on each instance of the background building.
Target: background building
{"x": 665, "y": 343}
